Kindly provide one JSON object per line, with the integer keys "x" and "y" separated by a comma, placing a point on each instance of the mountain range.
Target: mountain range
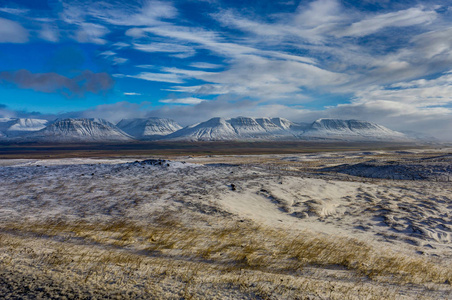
{"x": 215, "y": 129}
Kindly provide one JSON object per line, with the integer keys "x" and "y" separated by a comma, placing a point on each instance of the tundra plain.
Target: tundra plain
{"x": 318, "y": 225}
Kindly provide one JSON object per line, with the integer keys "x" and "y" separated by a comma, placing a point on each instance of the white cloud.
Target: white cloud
{"x": 188, "y": 100}
{"x": 204, "y": 65}
{"x": 209, "y": 40}
{"x": 12, "y": 32}
{"x": 131, "y": 94}
{"x": 259, "y": 77}
{"x": 127, "y": 13}
{"x": 147, "y": 67}
{"x": 321, "y": 27}
{"x": 149, "y": 14}
{"x": 112, "y": 56}
{"x": 14, "y": 11}
{"x": 402, "y": 18}
{"x": 120, "y": 45}
{"x": 91, "y": 33}
{"x": 49, "y": 33}
{"x": 180, "y": 51}
{"x": 108, "y": 53}
{"x": 420, "y": 93}
{"x": 434, "y": 44}
{"x": 159, "y": 77}
{"x": 319, "y": 13}
{"x": 120, "y": 60}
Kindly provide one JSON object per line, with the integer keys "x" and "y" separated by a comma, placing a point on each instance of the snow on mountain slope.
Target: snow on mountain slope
{"x": 296, "y": 128}
{"x": 18, "y": 126}
{"x": 151, "y": 128}
{"x": 282, "y": 123}
{"x": 352, "y": 130}
{"x": 79, "y": 130}
{"x": 244, "y": 128}
{"x": 240, "y": 128}
{"x": 250, "y": 127}
{"x": 215, "y": 129}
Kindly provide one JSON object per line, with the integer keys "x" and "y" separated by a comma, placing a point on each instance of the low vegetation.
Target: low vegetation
{"x": 169, "y": 258}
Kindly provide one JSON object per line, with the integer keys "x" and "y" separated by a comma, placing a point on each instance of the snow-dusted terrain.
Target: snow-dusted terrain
{"x": 273, "y": 226}
{"x": 151, "y": 128}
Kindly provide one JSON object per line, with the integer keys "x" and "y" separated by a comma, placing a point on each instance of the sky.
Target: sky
{"x": 388, "y": 62}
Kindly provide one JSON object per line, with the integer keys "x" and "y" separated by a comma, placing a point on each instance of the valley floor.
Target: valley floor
{"x": 331, "y": 225}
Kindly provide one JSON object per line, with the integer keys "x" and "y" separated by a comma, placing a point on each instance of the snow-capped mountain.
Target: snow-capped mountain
{"x": 11, "y": 127}
{"x": 79, "y": 130}
{"x": 151, "y": 128}
{"x": 240, "y": 128}
{"x": 215, "y": 129}
{"x": 243, "y": 128}
{"x": 351, "y": 130}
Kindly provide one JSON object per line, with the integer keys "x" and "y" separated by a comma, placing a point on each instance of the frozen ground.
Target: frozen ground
{"x": 354, "y": 225}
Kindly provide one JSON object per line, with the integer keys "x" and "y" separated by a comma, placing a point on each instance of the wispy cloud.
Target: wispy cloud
{"x": 158, "y": 77}
{"x": 188, "y": 100}
{"x": 49, "y": 33}
{"x": 91, "y": 33}
{"x": 204, "y": 65}
{"x": 420, "y": 93}
{"x": 126, "y": 13}
{"x": 14, "y": 11}
{"x": 12, "y": 32}
{"x": 259, "y": 77}
{"x": 403, "y": 18}
{"x": 176, "y": 50}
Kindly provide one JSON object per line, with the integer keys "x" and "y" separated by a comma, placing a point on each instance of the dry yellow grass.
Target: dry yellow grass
{"x": 166, "y": 258}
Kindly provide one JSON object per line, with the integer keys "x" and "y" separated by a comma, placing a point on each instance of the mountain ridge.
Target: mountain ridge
{"x": 215, "y": 129}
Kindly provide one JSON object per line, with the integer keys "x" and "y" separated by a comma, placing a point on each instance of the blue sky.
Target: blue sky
{"x": 383, "y": 61}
